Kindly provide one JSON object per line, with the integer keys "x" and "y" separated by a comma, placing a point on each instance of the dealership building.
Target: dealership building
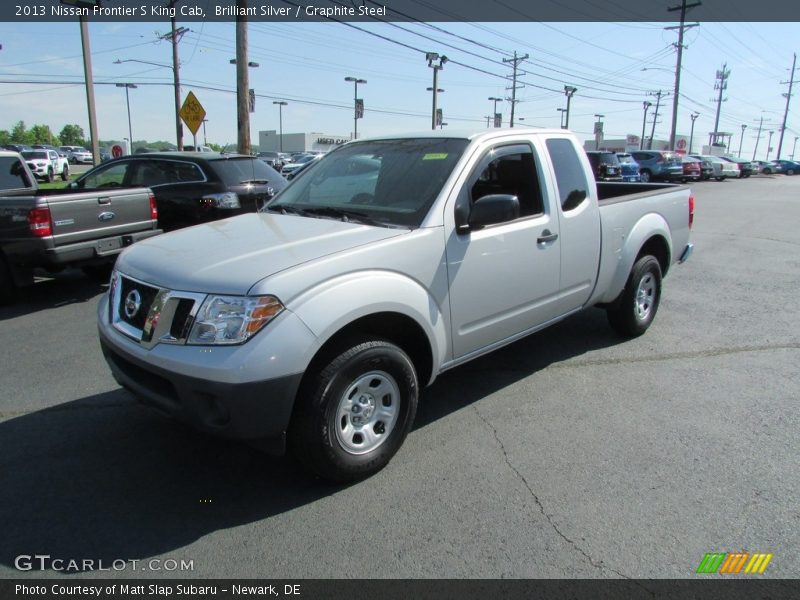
{"x": 299, "y": 142}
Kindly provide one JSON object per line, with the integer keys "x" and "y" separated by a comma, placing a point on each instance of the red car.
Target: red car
{"x": 692, "y": 169}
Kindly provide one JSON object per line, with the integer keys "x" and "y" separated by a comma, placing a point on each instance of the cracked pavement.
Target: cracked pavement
{"x": 569, "y": 454}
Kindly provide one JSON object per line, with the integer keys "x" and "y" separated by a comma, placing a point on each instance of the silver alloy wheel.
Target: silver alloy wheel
{"x": 645, "y": 296}
{"x": 367, "y": 412}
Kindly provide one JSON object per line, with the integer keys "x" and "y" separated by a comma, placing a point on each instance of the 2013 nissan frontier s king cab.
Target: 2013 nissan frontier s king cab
{"x": 315, "y": 322}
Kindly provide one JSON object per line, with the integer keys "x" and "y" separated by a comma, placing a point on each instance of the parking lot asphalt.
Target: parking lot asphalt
{"x": 572, "y": 453}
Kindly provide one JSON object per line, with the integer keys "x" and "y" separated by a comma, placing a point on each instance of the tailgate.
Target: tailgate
{"x": 93, "y": 215}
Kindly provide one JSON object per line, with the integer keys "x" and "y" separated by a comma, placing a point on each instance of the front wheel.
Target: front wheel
{"x": 50, "y": 176}
{"x": 645, "y": 176}
{"x": 637, "y": 305}
{"x": 354, "y": 410}
{"x": 65, "y": 173}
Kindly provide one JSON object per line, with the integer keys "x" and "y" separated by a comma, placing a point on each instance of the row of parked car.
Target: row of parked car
{"x": 289, "y": 164}
{"x": 652, "y": 165}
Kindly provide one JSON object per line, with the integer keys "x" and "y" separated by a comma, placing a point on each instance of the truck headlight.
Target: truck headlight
{"x": 224, "y": 200}
{"x": 232, "y": 319}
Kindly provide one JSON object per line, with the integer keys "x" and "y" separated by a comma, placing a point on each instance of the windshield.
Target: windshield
{"x": 625, "y": 158}
{"x": 35, "y": 154}
{"x": 392, "y": 182}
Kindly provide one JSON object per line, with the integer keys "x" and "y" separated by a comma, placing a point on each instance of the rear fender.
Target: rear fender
{"x": 650, "y": 226}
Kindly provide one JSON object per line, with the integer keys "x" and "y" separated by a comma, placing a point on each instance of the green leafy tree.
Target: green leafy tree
{"x": 72, "y": 135}
{"x": 5, "y": 137}
{"x": 41, "y": 134}
{"x": 20, "y": 134}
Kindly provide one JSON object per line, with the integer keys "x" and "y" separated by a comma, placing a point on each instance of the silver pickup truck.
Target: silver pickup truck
{"x": 316, "y": 322}
{"x": 53, "y": 229}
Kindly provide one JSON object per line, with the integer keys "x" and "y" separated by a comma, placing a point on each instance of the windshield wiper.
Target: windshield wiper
{"x": 345, "y": 215}
{"x": 284, "y": 209}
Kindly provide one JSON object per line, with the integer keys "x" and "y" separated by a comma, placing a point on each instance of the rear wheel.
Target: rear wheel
{"x": 354, "y": 410}
{"x": 637, "y": 305}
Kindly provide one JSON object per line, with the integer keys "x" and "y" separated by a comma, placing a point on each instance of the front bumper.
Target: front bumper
{"x": 244, "y": 392}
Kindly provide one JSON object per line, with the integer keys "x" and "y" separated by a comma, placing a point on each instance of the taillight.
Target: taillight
{"x": 691, "y": 211}
{"x": 153, "y": 208}
{"x": 39, "y": 222}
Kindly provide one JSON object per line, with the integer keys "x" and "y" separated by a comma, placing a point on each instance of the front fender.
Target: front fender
{"x": 649, "y": 226}
{"x": 332, "y": 305}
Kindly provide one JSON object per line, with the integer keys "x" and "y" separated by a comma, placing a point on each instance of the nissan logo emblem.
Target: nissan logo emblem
{"x": 133, "y": 302}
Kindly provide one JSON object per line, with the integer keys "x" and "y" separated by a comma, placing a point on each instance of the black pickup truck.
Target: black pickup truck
{"x": 52, "y": 229}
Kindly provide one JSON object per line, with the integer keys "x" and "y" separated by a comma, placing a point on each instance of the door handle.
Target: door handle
{"x": 546, "y": 237}
{"x": 104, "y": 200}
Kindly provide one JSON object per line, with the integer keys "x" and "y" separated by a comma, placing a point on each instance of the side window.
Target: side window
{"x": 110, "y": 176}
{"x": 183, "y": 172}
{"x": 12, "y": 174}
{"x": 511, "y": 173}
{"x": 570, "y": 175}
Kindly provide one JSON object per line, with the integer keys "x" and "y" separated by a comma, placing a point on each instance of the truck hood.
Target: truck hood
{"x": 231, "y": 255}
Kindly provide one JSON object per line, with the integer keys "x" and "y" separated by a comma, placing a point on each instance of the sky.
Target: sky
{"x": 615, "y": 66}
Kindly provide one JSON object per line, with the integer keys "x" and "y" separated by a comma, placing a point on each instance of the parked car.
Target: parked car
{"x": 80, "y": 155}
{"x": 190, "y": 188}
{"x": 295, "y": 172}
{"x": 46, "y": 164}
{"x": 629, "y": 167}
{"x": 658, "y": 165}
{"x": 768, "y": 167}
{"x": 746, "y": 168}
{"x": 53, "y": 229}
{"x": 16, "y": 147}
{"x": 723, "y": 169}
{"x": 315, "y": 325}
{"x": 298, "y": 162}
{"x": 788, "y": 167}
{"x": 692, "y": 171}
{"x": 198, "y": 149}
{"x": 605, "y": 165}
{"x": 706, "y": 168}
{"x": 273, "y": 159}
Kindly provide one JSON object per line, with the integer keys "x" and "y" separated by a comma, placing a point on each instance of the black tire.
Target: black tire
{"x": 719, "y": 178}
{"x": 645, "y": 176}
{"x": 636, "y": 307}
{"x": 323, "y": 427}
{"x": 790, "y": 171}
{"x": 65, "y": 173}
{"x": 50, "y": 175}
{"x": 100, "y": 273}
{"x": 7, "y": 287}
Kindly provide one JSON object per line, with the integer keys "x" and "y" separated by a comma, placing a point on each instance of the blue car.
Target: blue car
{"x": 630, "y": 168}
{"x": 788, "y": 167}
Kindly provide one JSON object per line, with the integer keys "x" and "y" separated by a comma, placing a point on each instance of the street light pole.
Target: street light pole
{"x": 494, "y": 110}
{"x": 355, "y": 81}
{"x": 646, "y": 104}
{"x": 741, "y": 140}
{"x": 205, "y": 139}
{"x": 281, "y": 104}
{"x": 597, "y": 133}
{"x": 568, "y": 91}
{"x": 794, "y": 146}
{"x": 127, "y": 87}
{"x": 769, "y": 145}
{"x": 693, "y": 117}
{"x": 561, "y": 117}
{"x": 432, "y": 57}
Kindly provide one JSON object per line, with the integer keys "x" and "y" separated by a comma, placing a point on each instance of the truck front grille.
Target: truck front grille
{"x": 151, "y": 315}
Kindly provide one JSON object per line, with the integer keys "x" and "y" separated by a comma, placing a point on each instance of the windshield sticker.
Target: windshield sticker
{"x": 435, "y": 156}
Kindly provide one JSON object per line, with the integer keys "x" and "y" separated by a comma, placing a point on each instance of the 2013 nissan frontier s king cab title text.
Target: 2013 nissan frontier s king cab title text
{"x": 315, "y": 322}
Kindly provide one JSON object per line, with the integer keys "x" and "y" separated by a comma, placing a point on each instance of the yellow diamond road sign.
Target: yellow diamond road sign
{"x": 192, "y": 113}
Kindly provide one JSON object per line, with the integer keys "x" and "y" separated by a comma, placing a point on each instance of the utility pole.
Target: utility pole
{"x": 758, "y": 136}
{"x": 786, "y": 110}
{"x": 87, "y": 72}
{"x": 175, "y": 36}
{"x": 794, "y": 146}
{"x": 693, "y": 117}
{"x": 720, "y": 84}
{"x": 741, "y": 140}
{"x": 515, "y": 62}
{"x": 242, "y": 80}
{"x": 569, "y": 91}
{"x": 681, "y": 28}
{"x": 646, "y": 104}
{"x": 658, "y": 95}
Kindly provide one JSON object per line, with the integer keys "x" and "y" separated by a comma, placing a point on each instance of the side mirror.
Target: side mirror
{"x": 492, "y": 209}
{"x": 73, "y": 185}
